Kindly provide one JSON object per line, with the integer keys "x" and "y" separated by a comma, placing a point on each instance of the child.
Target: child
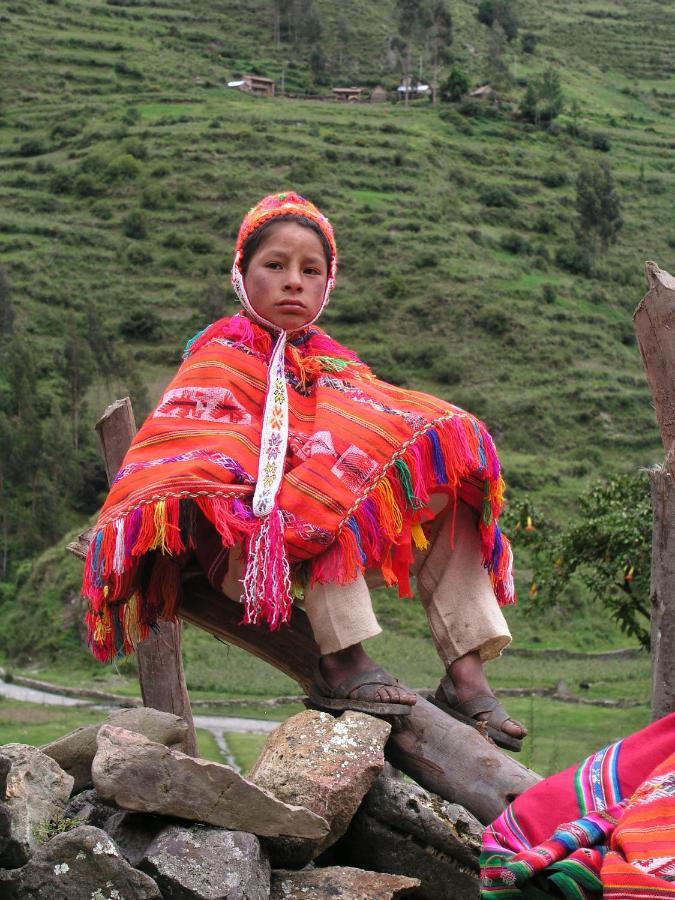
{"x": 287, "y": 468}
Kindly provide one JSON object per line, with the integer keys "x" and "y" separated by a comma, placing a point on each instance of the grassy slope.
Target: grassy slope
{"x": 423, "y": 273}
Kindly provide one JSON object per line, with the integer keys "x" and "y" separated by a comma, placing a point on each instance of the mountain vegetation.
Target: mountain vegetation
{"x": 491, "y": 249}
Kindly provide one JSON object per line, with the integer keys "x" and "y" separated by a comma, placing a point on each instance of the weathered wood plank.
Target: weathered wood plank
{"x": 654, "y": 321}
{"x": 160, "y": 662}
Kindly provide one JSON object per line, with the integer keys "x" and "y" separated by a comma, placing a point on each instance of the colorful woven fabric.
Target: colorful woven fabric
{"x": 605, "y": 826}
{"x": 362, "y": 459}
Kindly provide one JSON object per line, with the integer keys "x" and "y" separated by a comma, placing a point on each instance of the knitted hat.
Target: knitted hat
{"x": 288, "y": 203}
{"x": 267, "y": 578}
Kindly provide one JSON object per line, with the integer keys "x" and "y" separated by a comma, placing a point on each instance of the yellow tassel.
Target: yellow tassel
{"x": 159, "y": 542}
{"x": 418, "y": 536}
{"x": 390, "y": 500}
{"x": 130, "y": 622}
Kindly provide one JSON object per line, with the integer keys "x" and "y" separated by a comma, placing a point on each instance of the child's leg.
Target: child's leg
{"x": 341, "y": 617}
{"x": 466, "y": 623}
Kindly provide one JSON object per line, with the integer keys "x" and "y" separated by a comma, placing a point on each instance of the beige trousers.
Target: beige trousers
{"x": 452, "y": 584}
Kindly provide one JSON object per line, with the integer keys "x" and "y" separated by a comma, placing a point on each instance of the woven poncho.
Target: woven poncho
{"x": 362, "y": 458}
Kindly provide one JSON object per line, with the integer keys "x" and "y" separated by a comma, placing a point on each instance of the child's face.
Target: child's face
{"x": 286, "y": 276}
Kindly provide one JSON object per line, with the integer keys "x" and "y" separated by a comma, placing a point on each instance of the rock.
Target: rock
{"x": 36, "y": 791}
{"x": 89, "y": 809}
{"x": 75, "y": 752}
{"x": 339, "y": 882}
{"x": 82, "y": 864}
{"x": 208, "y": 864}
{"x": 144, "y": 776}
{"x": 432, "y": 821}
{"x": 324, "y": 764}
{"x": 384, "y": 849}
{"x": 133, "y": 833}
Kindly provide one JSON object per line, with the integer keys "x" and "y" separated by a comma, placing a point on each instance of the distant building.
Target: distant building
{"x": 413, "y": 89}
{"x": 379, "y": 94}
{"x": 254, "y": 84}
{"x": 348, "y": 94}
{"x": 485, "y": 92}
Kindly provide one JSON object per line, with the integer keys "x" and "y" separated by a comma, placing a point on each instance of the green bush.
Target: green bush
{"x": 554, "y": 178}
{"x": 133, "y": 225}
{"x": 122, "y": 168}
{"x": 548, "y": 294}
{"x": 395, "y": 286}
{"x": 141, "y": 324}
{"x": 139, "y": 256}
{"x": 544, "y": 223}
{"x": 600, "y": 141}
{"x": 102, "y": 211}
{"x": 32, "y": 147}
{"x": 574, "y": 258}
{"x": 61, "y": 183}
{"x": 173, "y": 240}
{"x": 201, "y": 245}
{"x": 447, "y": 371}
{"x": 514, "y": 243}
{"x": 498, "y": 195}
{"x": 86, "y": 186}
{"x": 135, "y": 148}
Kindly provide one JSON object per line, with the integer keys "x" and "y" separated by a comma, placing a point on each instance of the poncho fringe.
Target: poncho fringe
{"x": 133, "y": 568}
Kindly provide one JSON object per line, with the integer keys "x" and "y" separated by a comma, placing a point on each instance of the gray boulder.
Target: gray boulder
{"x": 133, "y": 833}
{"x": 36, "y": 791}
{"x": 75, "y": 751}
{"x": 144, "y": 776}
{"x": 324, "y": 764}
{"x": 385, "y": 849}
{"x": 433, "y": 822}
{"x": 82, "y": 864}
{"x": 204, "y": 863}
{"x": 341, "y": 883}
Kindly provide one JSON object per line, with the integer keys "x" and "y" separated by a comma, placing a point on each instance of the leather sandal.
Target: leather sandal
{"x": 446, "y": 699}
{"x": 322, "y": 696}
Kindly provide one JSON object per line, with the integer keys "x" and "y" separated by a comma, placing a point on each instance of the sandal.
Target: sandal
{"x": 322, "y": 696}
{"x": 446, "y": 699}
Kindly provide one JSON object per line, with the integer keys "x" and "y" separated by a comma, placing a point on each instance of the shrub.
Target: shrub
{"x": 139, "y": 256}
{"x": 32, "y": 147}
{"x": 498, "y": 195}
{"x": 554, "y": 178}
{"x": 201, "y": 245}
{"x": 355, "y": 309}
{"x": 134, "y": 226}
{"x": 86, "y": 186}
{"x": 548, "y": 294}
{"x": 141, "y": 325}
{"x": 135, "y": 148}
{"x": 43, "y": 167}
{"x": 173, "y": 240}
{"x": 61, "y": 183}
{"x": 574, "y": 258}
{"x": 600, "y": 141}
{"x": 528, "y": 42}
{"x": 544, "y": 223}
{"x": 394, "y": 286}
{"x": 122, "y": 168}
{"x": 102, "y": 211}
{"x": 514, "y": 243}
{"x": 447, "y": 371}
{"x": 494, "y": 319}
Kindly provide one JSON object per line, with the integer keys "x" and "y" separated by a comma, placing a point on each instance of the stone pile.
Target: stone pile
{"x": 119, "y": 812}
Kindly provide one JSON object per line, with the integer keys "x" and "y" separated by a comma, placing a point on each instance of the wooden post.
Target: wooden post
{"x": 160, "y": 663}
{"x": 654, "y": 321}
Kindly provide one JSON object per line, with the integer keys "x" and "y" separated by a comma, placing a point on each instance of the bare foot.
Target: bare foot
{"x": 469, "y": 681}
{"x": 336, "y": 667}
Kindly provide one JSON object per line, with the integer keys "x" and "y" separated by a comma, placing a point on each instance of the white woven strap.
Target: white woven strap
{"x": 274, "y": 435}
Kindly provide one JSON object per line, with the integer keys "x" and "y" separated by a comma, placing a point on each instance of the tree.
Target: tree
{"x": 440, "y": 37}
{"x": 502, "y": 12}
{"x": 456, "y": 86}
{"x": 543, "y": 100}
{"x": 608, "y": 548}
{"x": 598, "y": 206}
{"x": 497, "y": 70}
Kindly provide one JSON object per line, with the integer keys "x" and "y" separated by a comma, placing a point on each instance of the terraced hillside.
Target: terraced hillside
{"x": 126, "y": 164}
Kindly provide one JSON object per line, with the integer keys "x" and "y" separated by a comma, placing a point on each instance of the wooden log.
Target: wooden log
{"x": 443, "y": 755}
{"x": 160, "y": 662}
{"x": 662, "y": 592}
{"x": 654, "y": 321}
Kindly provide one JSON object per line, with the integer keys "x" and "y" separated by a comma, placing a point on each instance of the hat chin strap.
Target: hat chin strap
{"x": 242, "y": 296}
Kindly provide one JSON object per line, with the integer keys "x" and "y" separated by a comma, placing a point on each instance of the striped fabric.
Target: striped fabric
{"x": 362, "y": 458}
{"x": 605, "y": 827}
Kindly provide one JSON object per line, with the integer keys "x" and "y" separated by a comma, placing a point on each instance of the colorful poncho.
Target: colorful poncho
{"x": 363, "y": 457}
{"x": 603, "y": 828}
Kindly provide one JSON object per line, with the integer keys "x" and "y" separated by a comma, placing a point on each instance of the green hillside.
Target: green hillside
{"x": 126, "y": 164}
